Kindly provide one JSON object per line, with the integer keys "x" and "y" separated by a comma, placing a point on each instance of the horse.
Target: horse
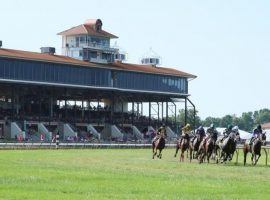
{"x": 158, "y": 144}
{"x": 183, "y": 145}
{"x": 194, "y": 147}
{"x": 206, "y": 149}
{"x": 254, "y": 148}
{"x": 227, "y": 147}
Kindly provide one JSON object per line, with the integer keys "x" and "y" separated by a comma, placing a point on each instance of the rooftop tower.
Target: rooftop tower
{"x": 89, "y": 42}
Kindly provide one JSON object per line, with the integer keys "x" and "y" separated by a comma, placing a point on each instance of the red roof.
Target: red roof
{"x": 151, "y": 69}
{"x": 266, "y": 125}
{"x": 26, "y": 55}
{"x": 88, "y": 28}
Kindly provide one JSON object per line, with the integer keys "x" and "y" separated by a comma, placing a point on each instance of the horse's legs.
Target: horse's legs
{"x": 182, "y": 156}
{"x": 176, "y": 151}
{"x": 256, "y": 160}
{"x": 154, "y": 152}
{"x": 245, "y": 157}
{"x": 160, "y": 155}
{"x": 190, "y": 154}
{"x": 221, "y": 158}
{"x": 208, "y": 156}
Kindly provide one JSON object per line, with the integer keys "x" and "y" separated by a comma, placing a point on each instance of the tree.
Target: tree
{"x": 247, "y": 121}
{"x": 190, "y": 118}
{"x": 261, "y": 116}
{"x": 211, "y": 120}
{"x": 226, "y": 121}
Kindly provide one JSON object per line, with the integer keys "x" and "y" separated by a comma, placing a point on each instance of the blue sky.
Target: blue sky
{"x": 225, "y": 43}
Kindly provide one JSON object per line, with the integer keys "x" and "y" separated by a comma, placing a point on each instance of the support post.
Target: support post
{"x": 186, "y": 111}
{"x": 82, "y": 109}
{"x": 194, "y": 114}
{"x": 39, "y": 101}
{"x": 175, "y": 117}
{"x": 112, "y": 110}
{"x": 132, "y": 116}
{"x": 167, "y": 112}
{"x": 158, "y": 111}
{"x": 51, "y": 106}
{"x": 12, "y": 102}
{"x": 89, "y": 110}
{"x": 162, "y": 112}
{"x": 149, "y": 122}
{"x": 122, "y": 113}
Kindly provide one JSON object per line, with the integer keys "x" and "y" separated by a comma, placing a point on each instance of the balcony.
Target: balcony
{"x": 92, "y": 45}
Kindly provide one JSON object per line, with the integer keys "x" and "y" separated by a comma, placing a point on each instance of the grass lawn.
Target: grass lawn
{"x": 125, "y": 174}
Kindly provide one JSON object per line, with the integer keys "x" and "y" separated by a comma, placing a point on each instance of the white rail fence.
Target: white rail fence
{"x": 28, "y": 145}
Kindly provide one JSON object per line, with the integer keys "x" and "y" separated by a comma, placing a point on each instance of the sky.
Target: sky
{"x": 225, "y": 43}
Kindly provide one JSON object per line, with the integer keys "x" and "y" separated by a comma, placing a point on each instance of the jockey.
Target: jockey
{"x": 227, "y": 132}
{"x": 212, "y": 132}
{"x": 185, "y": 132}
{"x": 200, "y": 133}
{"x": 160, "y": 133}
{"x": 256, "y": 133}
{"x": 236, "y": 131}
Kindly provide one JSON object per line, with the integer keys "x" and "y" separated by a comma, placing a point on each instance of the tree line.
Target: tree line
{"x": 247, "y": 121}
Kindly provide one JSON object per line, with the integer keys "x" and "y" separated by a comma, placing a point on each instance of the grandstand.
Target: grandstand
{"x": 87, "y": 93}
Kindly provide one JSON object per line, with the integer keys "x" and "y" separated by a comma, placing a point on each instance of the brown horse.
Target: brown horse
{"x": 158, "y": 145}
{"x": 206, "y": 149}
{"x": 183, "y": 145}
{"x": 254, "y": 149}
{"x": 194, "y": 147}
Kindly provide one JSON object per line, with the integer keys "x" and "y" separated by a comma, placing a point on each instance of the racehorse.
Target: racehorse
{"x": 158, "y": 145}
{"x": 254, "y": 148}
{"x": 206, "y": 149}
{"x": 227, "y": 147}
{"x": 194, "y": 147}
{"x": 183, "y": 145}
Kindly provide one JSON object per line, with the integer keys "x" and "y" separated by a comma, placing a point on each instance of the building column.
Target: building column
{"x": 89, "y": 110}
{"x": 51, "y": 106}
{"x": 112, "y": 110}
{"x": 186, "y": 111}
{"x": 149, "y": 113}
{"x": 39, "y": 104}
{"x": 162, "y": 109}
{"x": 132, "y": 116}
{"x": 12, "y": 102}
{"x": 122, "y": 113}
{"x": 158, "y": 111}
{"x": 82, "y": 109}
{"x": 167, "y": 112}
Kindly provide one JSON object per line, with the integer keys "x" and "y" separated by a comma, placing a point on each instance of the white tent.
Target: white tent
{"x": 243, "y": 134}
{"x": 267, "y": 135}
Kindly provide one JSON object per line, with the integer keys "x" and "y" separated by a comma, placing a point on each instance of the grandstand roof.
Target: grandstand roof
{"x": 45, "y": 57}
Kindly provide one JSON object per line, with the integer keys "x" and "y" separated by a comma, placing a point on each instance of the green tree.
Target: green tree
{"x": 190, "y": 118}
{"x": 261, "y": 116}
{"x": 247, "y": 123}
{"x": 211, "y": 120}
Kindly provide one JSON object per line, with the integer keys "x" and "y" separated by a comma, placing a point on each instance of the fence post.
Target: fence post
{"x": 266, "y": 156}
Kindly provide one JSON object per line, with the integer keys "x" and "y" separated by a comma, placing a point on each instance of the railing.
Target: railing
{"x": 264, "y": 148}
{"x": 95, "y": 46}
{"x": 65, "y": 145}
